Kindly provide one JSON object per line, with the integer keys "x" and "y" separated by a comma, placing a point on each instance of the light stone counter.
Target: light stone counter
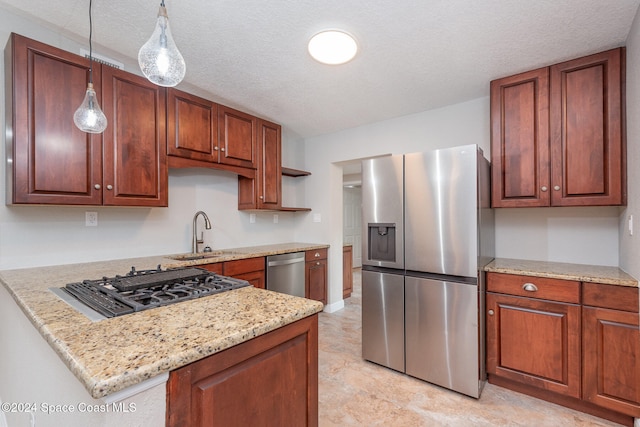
{"x": 566, "y": 271}
{"x": 112, "y": 354}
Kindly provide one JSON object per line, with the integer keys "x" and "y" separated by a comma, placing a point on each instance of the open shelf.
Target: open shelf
{"x": 294, "y": 172}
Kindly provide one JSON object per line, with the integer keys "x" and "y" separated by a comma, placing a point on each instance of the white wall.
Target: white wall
{"x": 578, "y": 235}
{"x": 630, "y": 245}
{"x": 41, "y": 235}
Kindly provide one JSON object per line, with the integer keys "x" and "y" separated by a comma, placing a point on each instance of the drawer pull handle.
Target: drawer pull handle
{"x": 529, "y": 287}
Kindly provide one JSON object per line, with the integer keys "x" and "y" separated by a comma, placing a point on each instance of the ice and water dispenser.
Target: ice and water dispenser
{"x": 382, "y": 241}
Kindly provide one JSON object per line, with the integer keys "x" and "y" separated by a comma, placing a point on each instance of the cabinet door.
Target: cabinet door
{"x": 256, "y": 278}
{"x": 192, "y": 126}
{"x": 611, "y": 353}
{"x": 587, "y": 135}
{"x": 237, "y": 132}
{"x": 316, "y": 280}
{"x": 269, "y": 174}
{"x": 347, "y": 271}
{"x": 53, "y": 162}
{"x": 534, "y": 342}
{"x": 135, "y": 161}
{"x": 520, "y": 140}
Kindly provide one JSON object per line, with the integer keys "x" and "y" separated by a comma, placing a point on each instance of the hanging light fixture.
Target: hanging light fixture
{"x": 159, "y": 58}
{"x": 89, "y": 117}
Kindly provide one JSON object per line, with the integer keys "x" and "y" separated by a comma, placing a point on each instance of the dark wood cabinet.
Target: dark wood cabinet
{"x": 533, "y": 340}
{"x": 53, "y": 162}
{"x": 269, "y": 380}
{"x": 265, "y": 190}
{"x": 135, "y": 158}
{"x": 557, "y": 134}
{"x": 192, "y": 127}
{"x": 611, "y": 348}
{"x": 347, "y": 271}
{"x": 571, "y": 343}
{"x": 250, "y": 269}
{"x": 237, "y": 138}
{"x": 316, "y": 270}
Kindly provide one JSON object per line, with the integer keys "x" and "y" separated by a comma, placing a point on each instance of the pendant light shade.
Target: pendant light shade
{"x": 159, "y": 58}
{"x": 89, "y": 117}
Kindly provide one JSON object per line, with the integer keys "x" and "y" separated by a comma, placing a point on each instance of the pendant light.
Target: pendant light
{"x": 159, "y": 58}
{"x": 89, "y": 117}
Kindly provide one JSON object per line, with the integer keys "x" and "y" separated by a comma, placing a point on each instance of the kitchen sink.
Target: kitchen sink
{"x": 202, "y": 255}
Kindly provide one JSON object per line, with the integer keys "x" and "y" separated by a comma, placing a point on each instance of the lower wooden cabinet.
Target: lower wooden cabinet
{"x": 271, "y": 380}
{"x": 316, "y": 275}
{"x": 347, "y": 271}
{"x": 571, "y": 343}
{"x": 535, "y": 342}
{"x": 249, "y": 269}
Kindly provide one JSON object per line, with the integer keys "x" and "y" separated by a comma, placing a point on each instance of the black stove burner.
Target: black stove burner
{"x": 144, "y": 289}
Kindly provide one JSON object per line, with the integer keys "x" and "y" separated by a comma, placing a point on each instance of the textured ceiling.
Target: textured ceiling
{"x": 414, "y": 55}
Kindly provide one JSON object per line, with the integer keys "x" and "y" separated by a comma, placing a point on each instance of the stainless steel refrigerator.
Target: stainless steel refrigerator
{"x": 427, "y": 233}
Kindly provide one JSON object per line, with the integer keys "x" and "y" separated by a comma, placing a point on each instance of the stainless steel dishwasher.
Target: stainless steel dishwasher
{"x": 285, "y": 273}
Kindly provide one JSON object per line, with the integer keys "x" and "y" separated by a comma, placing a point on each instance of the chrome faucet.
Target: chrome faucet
{"x": 207, "y": 225}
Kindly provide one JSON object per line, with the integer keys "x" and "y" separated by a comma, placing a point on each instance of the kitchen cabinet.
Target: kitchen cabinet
{"x": 575, "y": 344}
{"x": 347, "y": 271}
{"x": 611, "y": 347}
{"x": 533, "y": 331}
{"x": 272, "y": 377}
{"x": 237, "y": 136}
{"x": 265, "y": 190}
{"x": 53, "y": 162}
{"x": 192, "y": 127}
{"x": 316, "y": 270}
{"x": 558, "y": 136}
{"x": 250, "y": 269}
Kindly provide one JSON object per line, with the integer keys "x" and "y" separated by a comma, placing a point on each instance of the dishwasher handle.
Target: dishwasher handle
{"x": 285, "y": 262}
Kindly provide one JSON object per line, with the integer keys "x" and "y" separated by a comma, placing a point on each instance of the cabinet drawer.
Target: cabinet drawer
{"x": 610, "y": 296}
{"x": 543, "y": 288}
{"x": 315, "y": 254}
{"x": 241, "y": 266}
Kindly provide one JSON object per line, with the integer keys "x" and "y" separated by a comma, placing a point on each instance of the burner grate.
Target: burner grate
{"x": 98, "y": 299}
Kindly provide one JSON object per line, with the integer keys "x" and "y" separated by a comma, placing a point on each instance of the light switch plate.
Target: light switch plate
{"x": 275, "y": 218}
{"x": 252, "y": 218}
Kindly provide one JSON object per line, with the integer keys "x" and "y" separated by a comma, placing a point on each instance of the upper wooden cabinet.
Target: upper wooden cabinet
{"x": 237, "y": 136}
{"x": 52, "y": 161}
{"x": 265, "y": 190}
{"x": 192, "y": 127}
{"x": 557, "y": 134}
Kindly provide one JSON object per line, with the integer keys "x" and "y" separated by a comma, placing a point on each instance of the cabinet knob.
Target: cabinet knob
{"x": 529, "y": 287}
{"x": 109, "y": 187}
{"x": 215, "y": 148}
{"x": 97, "y": 186}
{"x": 222, "y": 149}
{"x": 490, "y": 312}
{"x": 544, "y": 188}
{"x": 318, "y": 263}
{"x": 557, "y": 187}
{"x": 317, "y": 255}
{"x": 261, "y": 197}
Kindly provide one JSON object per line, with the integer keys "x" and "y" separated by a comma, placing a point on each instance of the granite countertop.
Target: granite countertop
{"x": 557, "y": 270}
{"x": 113, "y": 354}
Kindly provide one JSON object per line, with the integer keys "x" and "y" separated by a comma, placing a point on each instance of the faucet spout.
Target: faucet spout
{"x": 207, "y": 224}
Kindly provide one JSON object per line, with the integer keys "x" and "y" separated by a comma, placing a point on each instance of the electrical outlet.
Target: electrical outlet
{"x": 91, "y": 219}
{"x": 317, "y": 217}
{"x": 630, "y": 225}
{"x": 252, "y": 218}
{"x": 275, "y": 218}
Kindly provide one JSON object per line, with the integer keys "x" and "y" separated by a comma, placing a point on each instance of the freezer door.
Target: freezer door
{"x": 383, "y": 319}
{"x": 441, "y": 211}
{"x": 382, "y": 212}
{"x": 442, "y": 334}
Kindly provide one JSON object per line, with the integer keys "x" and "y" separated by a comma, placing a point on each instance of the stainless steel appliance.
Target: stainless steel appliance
{"x": 144, "y": 289}
{"x": 285, "y": 273}
{"x": 428, "y": 231}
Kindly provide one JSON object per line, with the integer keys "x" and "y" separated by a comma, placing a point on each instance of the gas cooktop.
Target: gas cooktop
{"x": 145, "y": 289}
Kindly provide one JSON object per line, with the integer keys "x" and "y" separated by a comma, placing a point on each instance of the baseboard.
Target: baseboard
{"x": 333, "y": 307}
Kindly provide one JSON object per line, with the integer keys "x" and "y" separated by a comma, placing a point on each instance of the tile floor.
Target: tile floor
{"x": 354, "y": 392}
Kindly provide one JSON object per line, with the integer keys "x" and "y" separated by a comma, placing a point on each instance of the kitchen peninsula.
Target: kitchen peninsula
{"x": 121, "y": 364}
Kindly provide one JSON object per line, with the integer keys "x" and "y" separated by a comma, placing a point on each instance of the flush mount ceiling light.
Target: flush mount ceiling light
{"x": 332, "y": 47}
{"x": 159, "y": 58}
{"x": 89, "y": 117}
